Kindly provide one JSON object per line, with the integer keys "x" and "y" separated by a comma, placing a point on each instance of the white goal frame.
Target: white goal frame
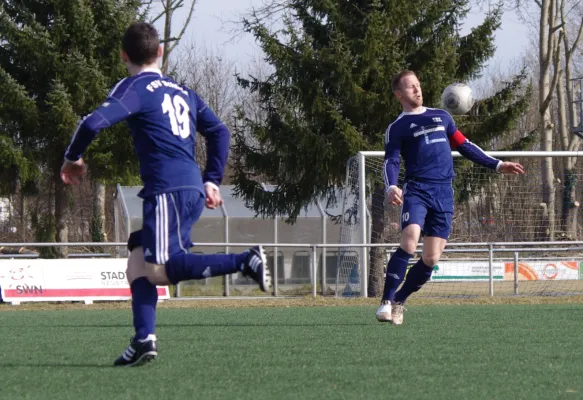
{"x": 363, "y": 209}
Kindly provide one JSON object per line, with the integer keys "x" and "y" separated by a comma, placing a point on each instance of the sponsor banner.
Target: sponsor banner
{"x": 66, "y": 280}
{"x": 448, "y": 271}
{"x": 543, "y": 270}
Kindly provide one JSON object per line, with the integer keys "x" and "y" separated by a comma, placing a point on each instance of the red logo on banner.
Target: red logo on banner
{"x": 17, "y": 274}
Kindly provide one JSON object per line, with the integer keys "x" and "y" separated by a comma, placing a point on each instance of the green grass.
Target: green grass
{"x": 442, "y": 352}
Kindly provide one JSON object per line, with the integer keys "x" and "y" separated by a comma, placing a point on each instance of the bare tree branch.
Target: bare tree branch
{"x": 269, "y": 14}
{"x": 545, "y": 40}
{"x": 170, "y": 42}
{"x": 577, "y": 40}
{"x": 153, "y": 20}
{"x": 556, "y": 28}
{"x": 556, "y": 61}
{"x": 573, "y": 7}
{"x": 176, "y": 4}
{"x": 186, "y": 23}
{"x": 170, "y": 39}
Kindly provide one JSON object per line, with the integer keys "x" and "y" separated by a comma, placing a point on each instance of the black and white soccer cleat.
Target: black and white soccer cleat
{"x": 255, "y": 267}
{"x": 138, "y": 353}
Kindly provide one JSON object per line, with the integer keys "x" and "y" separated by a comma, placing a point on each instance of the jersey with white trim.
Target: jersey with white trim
{"x": 163, "y": 117}
{"x": 422, "y": 139}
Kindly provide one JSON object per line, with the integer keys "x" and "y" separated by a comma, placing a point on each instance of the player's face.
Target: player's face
{"x": 409, "y": 91}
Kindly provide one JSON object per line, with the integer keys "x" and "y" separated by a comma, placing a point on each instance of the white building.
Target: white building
{"x": 6, "y": 209}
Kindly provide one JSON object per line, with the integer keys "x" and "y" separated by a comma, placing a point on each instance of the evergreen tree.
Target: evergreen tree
{"x": 329, "y": 95}
{"x": 58, "y": 59}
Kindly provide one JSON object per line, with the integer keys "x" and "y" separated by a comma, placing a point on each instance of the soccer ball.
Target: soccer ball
{"x": 457, "y": 98}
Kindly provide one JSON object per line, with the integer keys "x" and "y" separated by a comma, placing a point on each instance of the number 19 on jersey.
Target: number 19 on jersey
{"x": 178, "y": 111}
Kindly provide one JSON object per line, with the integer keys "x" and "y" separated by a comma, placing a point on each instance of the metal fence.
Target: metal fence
{"x": 514, "y": 253}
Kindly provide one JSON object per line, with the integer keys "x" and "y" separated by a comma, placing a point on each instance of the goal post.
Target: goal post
{"x": 489, "y": 208}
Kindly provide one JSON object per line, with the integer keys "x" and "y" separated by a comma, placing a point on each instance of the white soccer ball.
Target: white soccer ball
{"x": 457, "y": 98}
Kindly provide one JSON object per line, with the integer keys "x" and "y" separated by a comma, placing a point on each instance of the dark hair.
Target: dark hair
{"x": 140, "y": 42}
{"x": 396, "y": 81}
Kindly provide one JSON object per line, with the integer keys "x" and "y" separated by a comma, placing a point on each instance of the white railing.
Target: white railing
{"x": 470, "y": 248}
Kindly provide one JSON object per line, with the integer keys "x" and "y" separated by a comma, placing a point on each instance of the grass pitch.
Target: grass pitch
{"x": 488, "y": 351}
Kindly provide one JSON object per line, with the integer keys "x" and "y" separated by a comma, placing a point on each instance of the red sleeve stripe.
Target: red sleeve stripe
{"x": 457, "y": 139}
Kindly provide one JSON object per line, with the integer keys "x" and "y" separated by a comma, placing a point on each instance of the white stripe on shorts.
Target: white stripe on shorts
{"x": 161, "y": 229}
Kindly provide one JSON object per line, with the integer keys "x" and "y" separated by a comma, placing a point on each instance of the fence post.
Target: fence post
{"x": 363, "y": 222}
{"x": 515, "y": 272}
{"x": 491, "y": 268}
{"x": 275, "y": 258}
{"x": 314, "y": 271}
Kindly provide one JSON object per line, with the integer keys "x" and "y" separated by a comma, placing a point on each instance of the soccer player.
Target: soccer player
{"x": 163, "y": 117}
{"x": 424, "y": 138}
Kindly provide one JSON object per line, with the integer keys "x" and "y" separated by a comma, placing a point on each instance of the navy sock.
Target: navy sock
{"x": 418, "y": 275}
{"x": 396, "y": 269}
{"x": 144, "y": 300}
{"x": 184, "y": 267}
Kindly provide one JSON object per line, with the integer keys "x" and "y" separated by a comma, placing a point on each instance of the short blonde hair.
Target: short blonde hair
{"x": 396, "y": 81}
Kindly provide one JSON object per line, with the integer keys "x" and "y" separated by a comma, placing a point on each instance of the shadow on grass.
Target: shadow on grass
{"x": 45, "y": 364}
{"x": 202, "y": 325}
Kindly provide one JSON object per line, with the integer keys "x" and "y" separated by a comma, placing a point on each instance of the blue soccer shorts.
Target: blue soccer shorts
{"x": 428, "y": 205}
{"x": 167, "y": 224}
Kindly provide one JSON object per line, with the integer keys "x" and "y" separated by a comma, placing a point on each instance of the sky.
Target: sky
{"x": 212, "y": 26}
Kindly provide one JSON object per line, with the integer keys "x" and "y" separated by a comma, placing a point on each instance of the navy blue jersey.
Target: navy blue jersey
{"x": 163, "y": 117}
{"x": 423, "y": 140}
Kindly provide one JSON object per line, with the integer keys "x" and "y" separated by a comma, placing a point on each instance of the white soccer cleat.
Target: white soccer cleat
{"x": 384, "y": 312}
{"x": 397, "y": 313}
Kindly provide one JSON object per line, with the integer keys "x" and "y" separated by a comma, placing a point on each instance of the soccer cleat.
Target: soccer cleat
{"x": 138, "y": 353}
{"x": 384, "y": 311}
{"x": 255, "y": 266}
{"x": 397, "y": 311}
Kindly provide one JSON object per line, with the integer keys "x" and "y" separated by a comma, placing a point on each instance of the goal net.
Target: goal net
{"x": 510, "y": 234}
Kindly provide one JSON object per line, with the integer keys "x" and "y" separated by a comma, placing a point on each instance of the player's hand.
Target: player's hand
{"x": 213, "y": 197}
{"x": 511, "y": 168}
{"x": 395, "y": 196}
{"x": 71, "y": 171}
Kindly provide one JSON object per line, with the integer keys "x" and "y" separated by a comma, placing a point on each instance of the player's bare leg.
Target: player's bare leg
{"x": 140, "y": 350}
{"x": 418, "y": 275}
{"x": 156, "y": 273}
{"x": 433, "y": 247}
{"x": 136, "y": 265}
{"x": 396, "y": 270}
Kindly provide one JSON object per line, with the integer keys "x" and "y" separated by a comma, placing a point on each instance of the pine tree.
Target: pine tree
{"x": 329, "y": 95}
{"x": 58, "y": 60}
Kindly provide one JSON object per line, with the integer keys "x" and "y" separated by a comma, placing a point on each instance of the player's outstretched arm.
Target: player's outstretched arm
{"x": 474, "y": 153}
{"x": 112, "y": 111}
{"x": 218, "y": 139}
{"x": 511, "y": 168}
{"x": 394, "y": 195}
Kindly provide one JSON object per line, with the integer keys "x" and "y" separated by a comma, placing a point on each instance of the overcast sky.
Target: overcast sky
{"x": 212, "y": 26}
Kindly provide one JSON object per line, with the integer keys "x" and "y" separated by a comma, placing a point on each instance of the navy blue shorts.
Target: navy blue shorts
{"x": 429, "y": 206}
{"x": 167, "y": 224}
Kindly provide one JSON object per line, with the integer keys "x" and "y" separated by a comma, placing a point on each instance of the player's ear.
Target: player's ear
{"x": 160, "y": 51}
{"x": 124, "y": 56}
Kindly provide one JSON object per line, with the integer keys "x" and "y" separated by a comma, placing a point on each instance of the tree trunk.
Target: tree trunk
{"x": 23, "y": 212}
{"x": 377, "y": 258}
{"x": 167, "y": 33}
{"x": 98, "y": 231}
{"x": 570, "y": 204}
{"x": 61, "y": 214}
{"x": 548, "y": 186}
{"x": 546, "y": 49}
